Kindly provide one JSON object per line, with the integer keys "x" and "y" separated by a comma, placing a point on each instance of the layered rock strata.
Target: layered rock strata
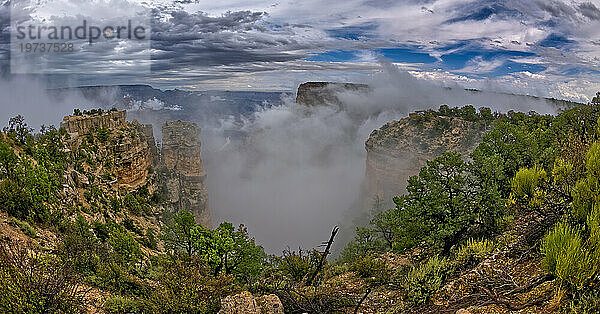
{"x": 185, "y": 178}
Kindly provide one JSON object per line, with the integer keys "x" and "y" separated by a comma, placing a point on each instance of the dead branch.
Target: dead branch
{"x": 311, "y": 279}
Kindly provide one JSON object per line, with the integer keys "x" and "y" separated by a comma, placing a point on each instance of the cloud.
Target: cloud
{"x": 589, "y": 10}
{"x": 152, "y": 104}
{"x": 221, "y": 44}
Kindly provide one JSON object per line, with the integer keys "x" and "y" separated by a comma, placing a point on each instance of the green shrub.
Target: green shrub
{"x": 150, "y": 239}
{"x": 14, "y": 200}
{"x": 31, "y": 282}
{"x": 118, "y": 304}
{"x": 187, "y": 287}
{"x": 585, "y": 302}
{"x": 424, "y": 280}
{"x": 566, "y": 256}
{"x": 593, "y": 167}
{"x": 295, "y": 265}
{"x": 24, "y": 226}
{"x": 370, "y": 267}
{"x": 102, "y": 134}
{"x": 81, "y": 248}
{"x": 116, "y": 278}
{"x": 582, "y": 200}
{"x": 563, "y": 174}
{"x": 525, "y": 186}
{"x": 136, "y": 204}
{"x": 129, "y": 224}
{"x": 124, "y": 245}
{"x": 473, "y": 252}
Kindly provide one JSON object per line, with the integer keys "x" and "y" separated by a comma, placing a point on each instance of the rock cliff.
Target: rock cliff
{"x": 120, "y": 157}
{"x": 400, "y": 148}
{"x": 185, "y": 178}
{"x": 84, "y": 124}
{"x": 318, "y": 93}
{"x": 108, "y": 137}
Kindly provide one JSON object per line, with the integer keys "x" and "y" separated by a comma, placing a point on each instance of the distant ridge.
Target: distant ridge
{"x": 314, "y": 93}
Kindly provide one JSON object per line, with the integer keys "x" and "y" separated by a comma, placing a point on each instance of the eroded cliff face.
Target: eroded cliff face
{"x": 320, "y": 93}
{"x": 185, "y": 178}
{"x": 85, "y": 124}
{"x": 119, "y": 148}
{"x": 120, "y": 157}
{"x": 399, "y": 149}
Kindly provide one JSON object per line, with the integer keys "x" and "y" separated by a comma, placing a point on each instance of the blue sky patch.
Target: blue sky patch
{"x": 405, "y": 55}
{"x": 458, "y": 60}
{"x": 334, "y": 56}
{"x": 355, "y": 32}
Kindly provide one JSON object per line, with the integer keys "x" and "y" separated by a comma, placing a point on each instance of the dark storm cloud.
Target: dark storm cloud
{"x": 589, "y": 10}
{"x": 196, "y": 39}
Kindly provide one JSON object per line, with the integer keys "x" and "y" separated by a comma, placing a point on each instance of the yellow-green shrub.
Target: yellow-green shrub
{"x": 473, "y": 252}
{"x": 566, "y": 255}
{"x": 424, "y": 280}
{"x": 525, "y": 186}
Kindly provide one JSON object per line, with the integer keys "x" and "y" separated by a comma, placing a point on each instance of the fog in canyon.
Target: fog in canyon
{"x": 287, "y": 171}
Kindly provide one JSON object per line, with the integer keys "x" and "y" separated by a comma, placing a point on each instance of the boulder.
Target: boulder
{"x": 246, "y": 303}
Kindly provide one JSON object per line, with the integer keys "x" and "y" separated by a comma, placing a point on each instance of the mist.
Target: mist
{"x": 299, "y": 170}
{"x": 289, "y": 172}
{"x": 29, "y": 96}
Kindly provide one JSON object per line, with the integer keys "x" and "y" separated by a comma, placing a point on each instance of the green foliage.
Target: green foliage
{"x": 585, "y": 302}
{"x": 178, "y": 235}
{"x": 118, "y": 304}
{"x": 81, "y": 247}
{"x": 525, "y": 186}
{"x": 366, "y": 241}
{"x": 582, "y": 200}
{"x": 228, "y": 250}
{"x": 124, "y": 245}
{"x": 118, "y": 278}
{"x": 445, "y": 205}
{"x": 473, "y": 252}
{"x": 593, "y": 167}
{"x": 150, "y": 239}
{"x": 14, "y": 200}
{"x": 137, "y": 204}
{"x": 129, "y": 224}
{"x": 18, "y": 130}
{"x": 370, "y": 267}
{"x": 564, "y": 175}
{"x": 102, "y": 135}
{"x": 596, "y": 99}
{"x": 424, "y": 280}
{"x": 295, "y": 265}
{"x": 186, "y": 286}
{"x": 24, "y": 226}
{"x": 29, "y": 183}
{"x": 566, "y": 256}
{"x": 517, "y": 141}
{"x": 8, "y": 159}
{"x": 31, "y": 282}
